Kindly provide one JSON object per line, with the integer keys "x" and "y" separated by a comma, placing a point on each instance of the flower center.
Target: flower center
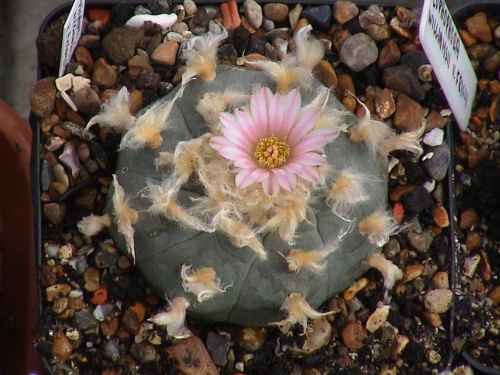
{"x": 271, "y": 153}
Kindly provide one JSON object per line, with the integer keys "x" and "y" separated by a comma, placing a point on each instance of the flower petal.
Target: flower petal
{"x": 293, "y": 167}
{"x": 247, "y": 124}
{"x": 238, "y": 137}
{"x": 244, "y": 178}
{"x": 218, "y": 143}
{"x": 307, "y": 120}
{"x": 259, "y": 103}
{"x": 276, "y": 109}
{"x": 309, "y": 143}
{"x": 271, "y": 185}
{"x": 310, "y": 174}
{"x": 308, "y": 158}
{"x": 292, "y": 106}
{"x": 287, "y": 181}
{"x": 233, "y": 153}
{"x": 245, "y": 163}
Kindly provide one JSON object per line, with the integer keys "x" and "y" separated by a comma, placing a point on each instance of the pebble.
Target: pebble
{"x": 377, "y": 318}
{"x": 120, "y": 44}
{"x": 190, "y": 7}
{"x": 358, "y": 51}
{"x": 130, "y": 322}
{"x": 371, "y": 16}
{"x": 435, "y": 120}
{"x": 57, "y": 291}
{"x": 112, "y": 349}
{"x": 163, "y": 20}
{"x": 143, "y": 352}
{"x": 405, "y": 80}
{"x": 432, "y": 319}
{"x": 83, "y": 57}
{"x": 389, "y": 55}
{"x": 434, "y": 137}
{"x": 478, "y": 27}
{"x": 87, "y": 101}
{"x": 218, "y": 346}
{"x": 165, "y": 54}
{"x": 276, "y": 12}
{"x": 109, "y": 327}
{"x": 409, "y": 115}
{"x": 43, "y": 97}
{"x": 251, "y": 338}
{"x": 104, "y": 74}
{"x": 437, "y": 165}
{"x": 325, "y": 73}
{"x": 417, "y": 201}
{"x": 54, "y": 212}
{"x": 385, "y": 105}
{"x": 353, "y": 335}
{"x": 294, "y": 16}
{"x": 470, "y": 265}
{"x": 494, "y": 294}
{"x": 191, "y": 357}
{"x": 420, "y": 242}
{"x": 91, "y": 279}
{"x": 438, "y": 300}
{"x": 148, "y": 80}
{"x": 70, "y": 159}
{"x": 344, "y": 11}
{"x": 61, "y": 346}
{"x": 440, "y": 216}
{"x": 355, "y": 287}
{"x": 317, "y": 337}
{"x": 320, "y": 17}
{"x": 85, "y": 320}
{"x": 379, "y": 32}
{"x": 412, "y": 272}
{"x": 201, "y": 18}
{"x": 253, "y": 13}
{"x": 433, "y": 357}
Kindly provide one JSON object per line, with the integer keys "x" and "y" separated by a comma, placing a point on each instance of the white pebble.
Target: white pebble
{"x": 64, "y": 83}
{"x": 429, "y": 155}
{"x": 378, "y": 318}
{"x": 470, "y": 265}
{"x": 75, "y": 293}
{"x": 429, "y": 186}
{"x": 434, "y": 137}
{"x": 438, "y": 300}
{"x": 164, "y": 20}
{"x": 174, "y": 37}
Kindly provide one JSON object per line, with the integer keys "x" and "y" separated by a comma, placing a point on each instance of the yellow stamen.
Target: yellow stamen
{"x": 271, "y": 153}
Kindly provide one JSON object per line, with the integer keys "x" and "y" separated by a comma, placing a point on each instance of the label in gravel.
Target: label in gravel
{"x": 448, "y": 57}
{"x": 71, "y": 33}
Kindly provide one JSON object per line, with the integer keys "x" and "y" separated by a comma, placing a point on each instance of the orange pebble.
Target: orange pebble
{"x": 100, "y": 296}
{"x": 230, "y": 16}
{"x": 98, "y": 15}
{"x": 398, "y": 212}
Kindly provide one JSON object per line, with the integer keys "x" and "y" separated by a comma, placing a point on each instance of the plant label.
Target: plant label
{"x": 448, "y": 58}
{"x": 71, "y": 33}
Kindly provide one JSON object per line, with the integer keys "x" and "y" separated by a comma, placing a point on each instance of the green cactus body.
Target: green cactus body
{"x": 253, "y": 289}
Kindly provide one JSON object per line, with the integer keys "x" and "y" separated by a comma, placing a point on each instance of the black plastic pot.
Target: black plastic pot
{"x": 458, "y": 9}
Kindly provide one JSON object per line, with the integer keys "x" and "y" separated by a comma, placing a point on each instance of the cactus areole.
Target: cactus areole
{"x": 237, "y": 215}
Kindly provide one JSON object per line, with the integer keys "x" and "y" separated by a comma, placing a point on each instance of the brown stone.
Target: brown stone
{"x": 432, "y": 319}
{"x": 385, "y": 105}
{"x": 409, "y": 114}
{"x": 104, "y": 74}
{"x": 473, "y": 241}
{"x": 484, "y": 267}
{"x": 440, "y": 216}
{"x": 441, "y": 280}
{"x": 43, "y": 97}
{"x": 494, "y": 294}
{"x": 135, "y": 101}
{"x": 130, "y": 322}
{"x": 494, "y": 87}
{"x": 389, "y": 55}
{"x": 54, "y": 212}
{"x": 87, "y": 100}
{"x": 109, "y": 328}
{"x": 49, "y": 122}
{"x": 165, "y": 53}
{"x": 91, "y": 278}
{"x": 467, "y": 38}
{"x": 276, "y": 12}
{"x": 478, "y": 27}
{"x": 87, "y": 199}
{"x": 56, "y": 189}
{"x": 325, "y": 73}
{"x": 401, "y": 190}
{"x": 57, "y": 291}
{"x": 397, "y": 26}
{"x": 344, "y": 11}
{"x": 344, "y": 85}
{"x": 61, "y": 347}
{"x": 420, "y": 242}
{"x": 494, "y": 108}
{"x": 139, "y": 309}
{"x": 339, "y": 37}
{"x": 137, "y": 64}
{"x": 379, "y": 32}
{"x": 438, "y": 300}
{"x": 353, "y": 335}
{"x": 468, "y": 218}
{"x": 434, "y": 120}
{"x": 251, "y": 338}
{"x": 412, "y": 272}
{"x": 191, "y": 357}
{"x": 83, "y": 56}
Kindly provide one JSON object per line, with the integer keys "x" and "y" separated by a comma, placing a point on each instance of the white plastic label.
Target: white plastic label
{"x": 71, "y": 33}
{"x": 448, "y": 57}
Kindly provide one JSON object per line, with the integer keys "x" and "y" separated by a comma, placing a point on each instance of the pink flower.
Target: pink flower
{"x": 273, "y": 142}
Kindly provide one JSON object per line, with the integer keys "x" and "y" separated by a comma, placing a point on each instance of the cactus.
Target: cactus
{"x": 238, "y": 237}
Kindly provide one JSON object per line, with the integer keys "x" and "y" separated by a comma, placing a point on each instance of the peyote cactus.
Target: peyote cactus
{"x": 247, "y": 191}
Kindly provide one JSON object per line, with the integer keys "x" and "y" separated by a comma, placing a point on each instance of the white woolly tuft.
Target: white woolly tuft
{"x": 312, "y": 260}
{"x": 409, "y": 141}
{"x": 378, "y": 226}
{"x": 174, "y": 318}
{"x": 348, "y": 190}
{"x": 298, "y": 312}
{"x": 212, "y": 104}
{"x": 115, "y": 113}
{"x": 92, "y": 224}
{"x": 204, "y": 283}
{"x": 309, "y": 52}
{"x": 200, "y": 54}
{"x": 125, "y": 216}
{"x": 374, "y": 133}
{"x": 163, "y": 202}
{"x": 390, "y": 272}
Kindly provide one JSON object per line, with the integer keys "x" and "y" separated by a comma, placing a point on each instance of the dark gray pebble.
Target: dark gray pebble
{"x": 437, "y": 166}
{"x": 84, "y": 320}
{"x": 148, "y": 80}
{"x": 319, "y": 17}
{"x": 112, "y": 349}
{"x": 405, "y": 80}
{"x": 416, "y": 201}
{"x": 143, "y": 352}
{"x": 218, "y": 345}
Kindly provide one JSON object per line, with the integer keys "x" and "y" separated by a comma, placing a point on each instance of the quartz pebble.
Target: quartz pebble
{"x": 253, "y": 13}
{"x": 358, "y": 51}
{"x": 470, "y": 265}
{"x": 438, "y": 300}
{"x": 317, "y": 337}
{"x": 434, "y": 137}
